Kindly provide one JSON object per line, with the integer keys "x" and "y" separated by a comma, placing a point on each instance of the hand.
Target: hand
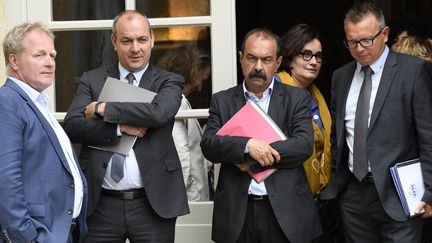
{"x": 262, "y": 152}
{"x": 133, "y": 131}
{"x": 424, "y": 209}
{"x": 89, "y": 111}
{"x": 243, "y": 167}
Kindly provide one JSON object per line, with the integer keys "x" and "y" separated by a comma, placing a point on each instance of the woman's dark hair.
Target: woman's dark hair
{"x": 186, "y": 60}
{"x": 293, "y": 41}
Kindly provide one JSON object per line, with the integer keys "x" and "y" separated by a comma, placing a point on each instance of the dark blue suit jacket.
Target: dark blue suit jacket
{"x": 36, "y": 185}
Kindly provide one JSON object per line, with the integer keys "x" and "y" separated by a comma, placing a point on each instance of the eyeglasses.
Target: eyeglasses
{"x": 307, "y": 55}
{"x": 350, "y": 44}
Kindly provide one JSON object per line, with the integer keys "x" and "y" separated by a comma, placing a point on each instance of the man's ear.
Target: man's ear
{"x": 13, "y": 61}
{"x": 113, "y": 41}
{"x": 152, "y": 38}
{"x": 240, "y": 57}
{"x": 278, "y": 62}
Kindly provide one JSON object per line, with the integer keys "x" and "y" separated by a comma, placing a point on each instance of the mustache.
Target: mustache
{"x": 257, "y": 74}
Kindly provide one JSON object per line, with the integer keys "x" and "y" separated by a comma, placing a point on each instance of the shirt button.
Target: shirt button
{"x": 71, "y": 185}
{"x": 69, "y": 211}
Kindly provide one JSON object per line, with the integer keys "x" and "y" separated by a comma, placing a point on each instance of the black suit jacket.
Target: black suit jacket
{"x": 156, "y": 154}
{"x": 288, "y": 189}
{"x": 400, "y": 127}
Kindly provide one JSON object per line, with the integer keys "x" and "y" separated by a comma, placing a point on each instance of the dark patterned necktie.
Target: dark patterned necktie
{"x": 360, "y": 157}
{"x": 117, "y": 160}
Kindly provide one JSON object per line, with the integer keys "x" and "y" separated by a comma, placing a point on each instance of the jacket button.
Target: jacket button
{"x": 71, "y": 185}
{"x": 69, "y": 211}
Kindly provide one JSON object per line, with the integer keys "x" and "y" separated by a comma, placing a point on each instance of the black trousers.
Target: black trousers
{"x": 261, "y": 225}
{"x": 364, "y": 218}
{"x": 116, "y": 220}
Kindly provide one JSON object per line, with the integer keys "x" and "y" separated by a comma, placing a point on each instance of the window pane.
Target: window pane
{"x": 80, "y": 51}
{"x": 173, "y": 8}
{"x": 64, "y": 10}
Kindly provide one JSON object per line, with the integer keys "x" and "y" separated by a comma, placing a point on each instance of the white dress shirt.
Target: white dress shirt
{"x": 351, "y": 104}
{"x": 132, "y": 176}
{"x": 254, "y": 187}
{"x": 41, "y": 102}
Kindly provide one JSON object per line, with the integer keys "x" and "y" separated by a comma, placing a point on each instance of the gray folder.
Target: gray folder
{"x": 116, "y": 91}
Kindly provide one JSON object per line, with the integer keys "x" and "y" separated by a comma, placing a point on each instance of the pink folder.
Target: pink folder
{"x": 252, "y": 121}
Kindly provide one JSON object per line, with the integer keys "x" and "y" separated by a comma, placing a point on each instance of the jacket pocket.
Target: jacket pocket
{"x": 172, "y": 164}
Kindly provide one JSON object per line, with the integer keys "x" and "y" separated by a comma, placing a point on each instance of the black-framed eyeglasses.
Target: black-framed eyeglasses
{"x": 307, "y": 55}
{"x": 350, "y": 44}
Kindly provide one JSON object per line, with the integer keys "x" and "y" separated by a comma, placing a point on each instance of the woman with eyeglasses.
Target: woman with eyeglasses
{"x": 302, "y": 59}
{"x": 301, "y": 64}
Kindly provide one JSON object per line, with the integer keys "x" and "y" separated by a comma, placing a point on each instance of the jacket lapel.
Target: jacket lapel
{"x": 113, "y": 72}
{"x": 389, "y": 72}
{"x": 148, "y": 77}
{"x": 47, "y": 127}
{"x": 275, "y": 103}
{"x": 239, "y": 100}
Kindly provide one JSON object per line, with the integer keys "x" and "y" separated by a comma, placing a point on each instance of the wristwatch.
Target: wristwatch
{"x": 96, "y": 110}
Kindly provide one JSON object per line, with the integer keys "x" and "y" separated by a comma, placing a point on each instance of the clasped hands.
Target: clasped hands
{"x": 262, "y": 152}
{"x": 125, "y": 129}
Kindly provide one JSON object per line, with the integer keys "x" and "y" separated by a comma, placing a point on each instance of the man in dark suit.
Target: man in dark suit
{"x": 43, "y": 193}
{"x": 138, "y": 196}
{"x": 281, "y": 208}
{"x": 374, "y": 130}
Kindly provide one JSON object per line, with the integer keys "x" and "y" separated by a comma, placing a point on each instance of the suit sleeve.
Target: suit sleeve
{"x": 15, "y": 218}
{"x": 422, "y": 106}
{"x": 298, "y": 146}
{"x": 230, "y": 149}
{"x": 85, "y": 130}
{"x": 221, "y": 149}
{"x": 154, "y": 114}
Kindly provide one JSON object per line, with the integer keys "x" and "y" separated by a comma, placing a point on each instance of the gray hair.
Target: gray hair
{"x": 13, "y": 41}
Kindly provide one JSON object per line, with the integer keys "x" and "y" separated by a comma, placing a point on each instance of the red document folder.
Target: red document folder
{"x": 252, "y": 121}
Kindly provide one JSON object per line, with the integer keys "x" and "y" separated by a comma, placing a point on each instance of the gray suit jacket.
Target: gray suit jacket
{"x": 400, "y": 127}
{"x": 288, "y": 188}
{"x": 155, "y": 152}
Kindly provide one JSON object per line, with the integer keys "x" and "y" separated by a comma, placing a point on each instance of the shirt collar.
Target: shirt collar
{"x": 35, "y": 96}
{"x": 124, "y": 72}
{"x": 379, "y": 63}
{"x": 249, "y": 95}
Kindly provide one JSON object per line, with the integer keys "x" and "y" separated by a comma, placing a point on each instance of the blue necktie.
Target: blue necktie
{"x": 117, "y": 160}
{"x": 360, "y": 158}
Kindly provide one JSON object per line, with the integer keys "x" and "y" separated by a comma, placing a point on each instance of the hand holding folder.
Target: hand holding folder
{"x": 116, "y": 91}
{"x": 252, "y": 121}
{"x": 408, "y": 179}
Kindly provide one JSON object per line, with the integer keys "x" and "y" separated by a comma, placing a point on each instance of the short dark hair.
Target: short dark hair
{"x": 363, "y": 8}
{"x": 293, "y": 41}
{"x": 265, "y": 34}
